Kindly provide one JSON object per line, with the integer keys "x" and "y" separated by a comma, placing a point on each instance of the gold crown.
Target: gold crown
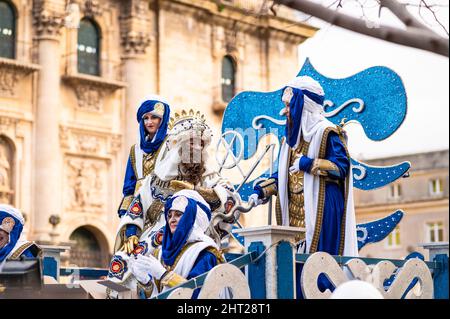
{"x": 190, "y": 115}
{"x": 8, "y": 224}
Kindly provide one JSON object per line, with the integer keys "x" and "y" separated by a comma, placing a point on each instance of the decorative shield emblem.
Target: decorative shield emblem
{"x": 117, "y": 268}
{"x": 141, "y": 248}
{"x": 135, "y": 210}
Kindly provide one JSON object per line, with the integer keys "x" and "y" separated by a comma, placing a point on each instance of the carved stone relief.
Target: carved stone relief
{"x": 134, "y": 26}
{"x": 7, "y": 124}
{"x": 88, "y": 143}
{"x": 92, "y": 8}
{"x": 8, "y": 81}
{"x": 6, "y": 170}
{"x": 115, "y": 143}
{"x": 48, "y": 17}
{"x": 11, "y": 71}
{"x": 90, "y": 90}
{"x": 86, "y": 185}
{"x": 89, "y": 98}
{"x": 98, "y": 144}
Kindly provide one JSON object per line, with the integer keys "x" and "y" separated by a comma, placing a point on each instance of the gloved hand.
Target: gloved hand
{"x": 296, "y": 166}
{"x": 129, "y": 244}
{"x": 149, "y": 265}
{"x": 140, "y": 271}
{"x": 253, "y": 198}
{"x": 321, "y": 167}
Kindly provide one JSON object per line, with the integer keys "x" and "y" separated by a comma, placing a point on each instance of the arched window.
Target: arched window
{"x": 7, "y": 30}
{"x": 87, "y": 250}
{"x": 88, "y": 47}
{"x": 228, "y": 78}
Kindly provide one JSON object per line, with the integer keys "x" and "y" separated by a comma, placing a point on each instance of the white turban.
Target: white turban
{"x": 13, "y": 212}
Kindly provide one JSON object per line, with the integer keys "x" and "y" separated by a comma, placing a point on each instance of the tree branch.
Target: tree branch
{"x": 413, "y": 37}
{"x": 434, "y": 15}
{"x": 403, "y": 14}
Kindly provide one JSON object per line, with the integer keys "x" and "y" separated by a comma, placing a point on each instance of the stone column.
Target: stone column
{"x": 48, "y": 20}
{"x": 135, "y": 37}
{"x": 270, "y": 236}
{"x": 137, "y": 89}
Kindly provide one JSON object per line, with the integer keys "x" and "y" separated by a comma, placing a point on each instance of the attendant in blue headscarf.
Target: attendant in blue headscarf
{"x": 186, "y": 251}
{"x": 153, "y": 117}
{"x": 12, "y": 244}
{"x": 314, "y": 181}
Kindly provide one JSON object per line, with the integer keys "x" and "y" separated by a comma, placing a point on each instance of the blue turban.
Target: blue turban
{"x": 173, "y": 243}
{"x": 14, "y": 235}
{"x": 152, "y": 146}
{"x": 296, "y": 110}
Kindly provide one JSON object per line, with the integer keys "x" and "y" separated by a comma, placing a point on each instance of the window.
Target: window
{"x": 88, "y": 48}
{"x": 7, "y": 30}
{"x": 395, "y": 191}
{"x": 393, "y": 239}
{"x": 435, "y": 232}
{"x": 228, "y": 79}
{"x": 435, "y": 187}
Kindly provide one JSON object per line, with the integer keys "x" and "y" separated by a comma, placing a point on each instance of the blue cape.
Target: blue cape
{"x": 173, "y": 243}
{"x": 296, "y": 110}
{"x": 149, "y": 146}
{"x": 13, "y": 236}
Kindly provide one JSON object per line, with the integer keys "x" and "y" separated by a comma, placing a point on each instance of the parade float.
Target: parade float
{"x": 374, "y": 98}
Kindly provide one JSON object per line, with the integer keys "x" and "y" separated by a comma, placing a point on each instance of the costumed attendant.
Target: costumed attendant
{"x": 153, "y": 117}
{"x": 314, "y": 181}
{"x": 12, "y": 245}
{"x": 186, "y": 251}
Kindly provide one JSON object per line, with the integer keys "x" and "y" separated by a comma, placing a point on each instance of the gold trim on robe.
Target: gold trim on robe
{"x": 321, "y": 200}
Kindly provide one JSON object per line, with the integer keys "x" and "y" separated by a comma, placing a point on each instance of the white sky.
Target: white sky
{"x": 338, "y": 53}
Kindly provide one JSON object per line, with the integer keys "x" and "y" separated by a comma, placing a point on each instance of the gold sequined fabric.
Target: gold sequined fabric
{"x": 153, "y": 213}
{"x": 148, "y": 164}
{"x": 295, "y": 187}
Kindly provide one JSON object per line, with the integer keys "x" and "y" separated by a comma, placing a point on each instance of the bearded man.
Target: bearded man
{"x": 182, "y": 164}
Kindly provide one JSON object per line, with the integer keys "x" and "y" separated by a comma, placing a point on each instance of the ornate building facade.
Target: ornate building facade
{"x": 423, "y": 196}
{"x": 69, "y": 92}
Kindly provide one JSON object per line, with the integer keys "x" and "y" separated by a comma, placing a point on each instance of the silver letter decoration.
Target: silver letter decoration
{"x": 257, "y": 126}
{"x": 362, "y": 170}
{"x": 217, "y": 284}
{"x": 364, "y": 231}
{"x": 229, "y": 150}
{"x": 329, "y": 103}
{"x": 322, "y": 262}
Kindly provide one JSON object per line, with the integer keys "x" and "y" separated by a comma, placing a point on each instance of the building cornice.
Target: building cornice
{"x": 277, "y": 26}
{"x": 90, "y": 90}
{"x": 98, "y": 81}
{"x": 19, "y": 66}
{"x": 10, "y": 72}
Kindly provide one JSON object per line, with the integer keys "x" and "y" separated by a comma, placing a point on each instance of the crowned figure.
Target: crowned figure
{"x": 182, "y": 164}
